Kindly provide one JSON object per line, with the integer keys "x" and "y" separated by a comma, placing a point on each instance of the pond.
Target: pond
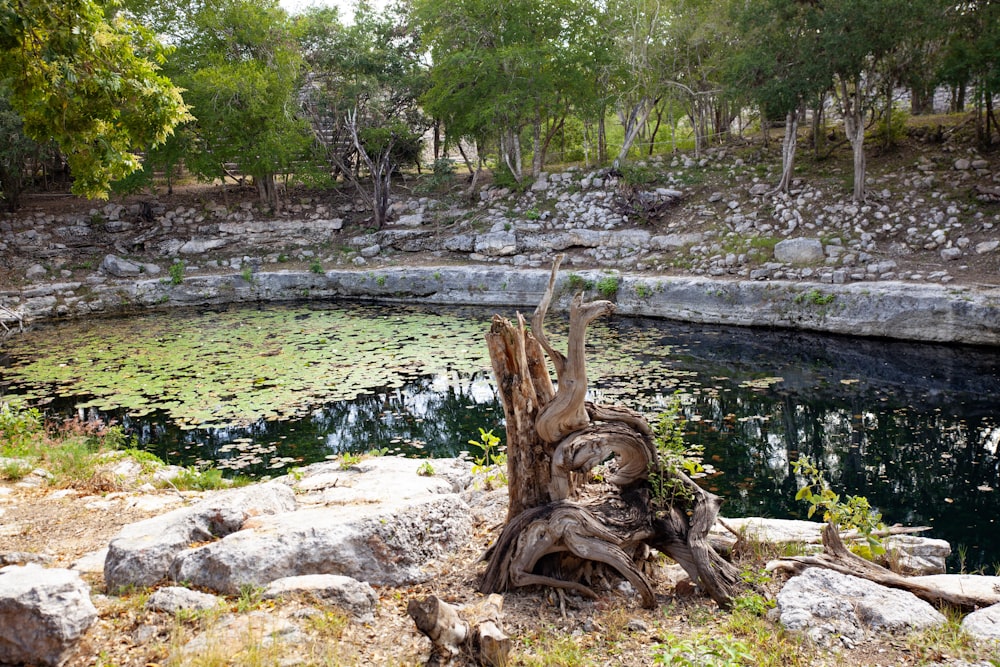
{"x": 915, "y": 428}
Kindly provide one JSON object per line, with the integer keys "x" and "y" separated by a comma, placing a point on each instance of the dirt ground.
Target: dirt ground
{"x": 58, "y": 527}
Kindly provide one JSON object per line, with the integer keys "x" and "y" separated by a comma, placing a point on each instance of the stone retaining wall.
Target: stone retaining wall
{"x": 917, "y": 312}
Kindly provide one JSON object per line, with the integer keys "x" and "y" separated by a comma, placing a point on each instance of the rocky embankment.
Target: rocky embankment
{"x": 920, "y": 261}
{"x": 354, "y": 537}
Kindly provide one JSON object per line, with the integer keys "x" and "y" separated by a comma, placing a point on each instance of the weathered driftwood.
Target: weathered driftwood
{"x": 837, "y": 557}
{"x": 462, "y": 635}
{"x": 555, "y": 519}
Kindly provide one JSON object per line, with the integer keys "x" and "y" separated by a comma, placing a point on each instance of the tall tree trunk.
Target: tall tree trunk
{"x": 537, "y": 155}
{"x": 634, "y": 123}
{"x": 854, "y": 126}
{"x": 602, "y": 139}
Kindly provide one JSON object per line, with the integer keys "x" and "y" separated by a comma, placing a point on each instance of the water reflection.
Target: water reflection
{"x": 912, "y": 427}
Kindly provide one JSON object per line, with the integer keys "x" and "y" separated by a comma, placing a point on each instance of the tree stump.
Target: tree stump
{"x": 556, "y": 518}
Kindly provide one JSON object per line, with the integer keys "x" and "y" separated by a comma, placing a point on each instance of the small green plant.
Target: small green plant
{"x": 247, "y": 274}
{"x": 425, "y": 469}
{"x": 673, "y": 455}
{"x": 282, "y": 258}
{"x": 316, "y": 267}
{"x": 608, "y": 287}
{"x": 176, "y": 272}
{"x": 250, "y": 598}
{"x": 493, "y": 461}
{"x": 638, "y": 174}
{"x": 643, "y": 291}
{"x": 192, "y": 479}
{"x": 380, "y": 281}
{"x": 702, "y": 650}
{"x": 578, "y": 283}
{"x": 815, "y": 297}
{"x": 349, "y": 459}
{"x": 380, "y": 451}
{"x": 752, "y": 603}
{"x": 532, "y": 214}
{"x": 853, "y": 513}
{"x": 14, "y": 469}
{"x": 437, "y": 275}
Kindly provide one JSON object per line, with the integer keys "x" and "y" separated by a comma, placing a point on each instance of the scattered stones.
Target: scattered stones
{"x": 43, "y": 613}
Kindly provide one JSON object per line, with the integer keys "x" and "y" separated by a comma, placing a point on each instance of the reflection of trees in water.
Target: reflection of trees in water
{"x": 917, "y": 467}
{"x": 440, "y": 421}
{"x": 416, "y": 418}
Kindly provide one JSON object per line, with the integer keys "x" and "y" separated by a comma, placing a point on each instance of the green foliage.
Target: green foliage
{"x": 643, "y": 291}
{"x": 251, "y": 597}
{"x": 532, "y": 214}
{"x": 425, "y": 469}
{"x": 753, "y": 604}
{"x": 85, "y": 76}
{"x": 380, "y": 281}
{"x": 815, "y": 297}
{"x": 176, "y": 272}
{"x": 578, "y": 283}
{"x": 608, "y": 287}
{"x": 316, "y": 267}
{"x": 493, "y": 460}
{"x": 673, "y": 455}
{"x": 349, "y": 460}
{"x": 239, "y": 65}
{"x": 702, "y": 650}
{"x": 890, "y": 128}
{"x": 208, "y": 479}
{"x": 247, "y": 274}
{"x": 638, "y": 174}
{"x": 852, "y": 513}
{"x": 19, "y": 428}
{"x": 15, "y": 151}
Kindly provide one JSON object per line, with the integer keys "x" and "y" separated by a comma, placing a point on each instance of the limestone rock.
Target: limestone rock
{"x": 984, "y": 623}
{"x": 199, "y": 246}
{"x": 119, "y": 267}
{"x": 35, "y": 271}
{"x": 173, "y": 599}
{"x": 142, "y": 552}
{"x": 387, "y": 544}
{"x": 912, "y": 555}
{"x": 43, "y": 612}
{"x": 496, "y": 244}
{"x": 799, "y": 251}
{"x": 828, "y": 606}
{"x": 355, "y": 597}
{"x": 987, "y": 246}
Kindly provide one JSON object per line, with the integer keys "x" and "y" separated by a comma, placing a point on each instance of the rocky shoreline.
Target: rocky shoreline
{"x": 920, "y": 262}
{"x": 887, "y": 309}
{"x": 341, "y": 536}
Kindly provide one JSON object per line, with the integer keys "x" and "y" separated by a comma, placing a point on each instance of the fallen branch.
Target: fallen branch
{"x": 837, "y": 557}
{"x": 469, "y": 635}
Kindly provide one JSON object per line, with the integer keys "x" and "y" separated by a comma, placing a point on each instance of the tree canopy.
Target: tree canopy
{"x": 83, "y": 75}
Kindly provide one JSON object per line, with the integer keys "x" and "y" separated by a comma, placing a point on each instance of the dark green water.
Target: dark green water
{"x": 915, "y": 428}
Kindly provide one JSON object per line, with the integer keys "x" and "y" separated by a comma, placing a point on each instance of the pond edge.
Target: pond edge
{"x": 888, "y": 309}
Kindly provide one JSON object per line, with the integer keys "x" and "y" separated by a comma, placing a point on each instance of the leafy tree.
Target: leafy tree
{"x": 774, "y": 65}
{"x": 856, "y": 46}
{"x": 972, "y": 57}
{"x": 89, "y": 79}
{"x": 360, "y": 96}
{"x": 240, "y": 67}
{"x": 503, "y": 68}
{"x": 15, "y": 151}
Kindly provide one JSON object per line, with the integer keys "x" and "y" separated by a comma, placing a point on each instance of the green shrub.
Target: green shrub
{"x": 608, "y": 287}
{"x": 176, "y": 273}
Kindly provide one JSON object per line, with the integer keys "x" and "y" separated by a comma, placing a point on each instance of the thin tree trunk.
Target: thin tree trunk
{"x": 854, "y": 127}
{"x": 788, "y": 145}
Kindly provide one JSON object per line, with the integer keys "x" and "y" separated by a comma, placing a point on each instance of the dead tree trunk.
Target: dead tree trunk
{"x": 557, "y": 520}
